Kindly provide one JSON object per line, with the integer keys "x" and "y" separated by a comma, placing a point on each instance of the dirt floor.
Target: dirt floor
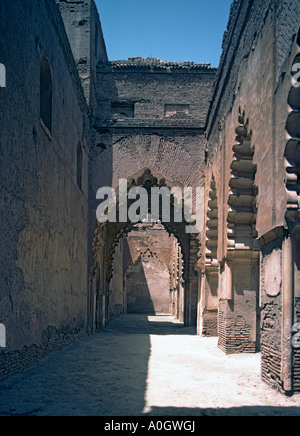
{"x": 143, "y": 365}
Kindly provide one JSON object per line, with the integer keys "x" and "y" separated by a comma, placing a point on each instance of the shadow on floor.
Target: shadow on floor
{"x": 161, "y": 325}
{"x": 105, "y": 375}
{"x": 102, "y": 375}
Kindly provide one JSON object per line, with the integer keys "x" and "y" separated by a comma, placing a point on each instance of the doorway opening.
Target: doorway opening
{"x": 147, "y": 276}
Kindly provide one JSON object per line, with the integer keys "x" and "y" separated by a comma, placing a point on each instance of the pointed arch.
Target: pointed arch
{"x": 189, "y": 243}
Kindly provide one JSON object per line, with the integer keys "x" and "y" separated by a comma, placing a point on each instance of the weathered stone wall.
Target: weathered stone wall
{"x": 173, "y": 146}
{"x": 148, "y": 266}
{"x": 271, "y": 319}
{"x": 246, "y": 137}
{"x": 155, "y": 238}
{"x": 254, "y": 76}
{"x": 85, "y": 35}
{"x": 148, "y": 286}
{"x": 43, "y": 271}
{"x": 151, "y": 84}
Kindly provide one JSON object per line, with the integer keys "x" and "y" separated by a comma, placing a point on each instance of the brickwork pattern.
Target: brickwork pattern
{"x": 210, "y": 324}
{"x": 270, "y": 345}
{"x": 13, "y": 362}
{"x": 234, "y": 332}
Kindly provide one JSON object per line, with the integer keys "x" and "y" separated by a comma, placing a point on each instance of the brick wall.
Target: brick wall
{"x": 151, "y": 90}
{"x": 13, "y": 362}
{"x": 210, "y": 324}
{"x": 234, "y": 332}
{"x": 222, "y": 325}
{"x": 174, "y": 146}
{"x": 271, "y": 313}
{"x": 271, "y": 352}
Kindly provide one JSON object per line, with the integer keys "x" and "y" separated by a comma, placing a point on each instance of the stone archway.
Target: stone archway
{"x": 108, "y": 235}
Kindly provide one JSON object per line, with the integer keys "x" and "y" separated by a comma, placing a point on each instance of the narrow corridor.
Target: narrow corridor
{"x": 143, "y": 365}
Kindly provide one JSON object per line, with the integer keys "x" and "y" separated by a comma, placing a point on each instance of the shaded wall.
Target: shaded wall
{"x": 44, "y": 213}
{"x": 148, "y": 286}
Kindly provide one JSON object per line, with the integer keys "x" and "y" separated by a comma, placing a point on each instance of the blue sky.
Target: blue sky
{"x": 173, "y": 30}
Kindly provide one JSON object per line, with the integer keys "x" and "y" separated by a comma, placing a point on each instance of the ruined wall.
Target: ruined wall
{"x": 43, "y": 209}
{"x": 85, "y": 35}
